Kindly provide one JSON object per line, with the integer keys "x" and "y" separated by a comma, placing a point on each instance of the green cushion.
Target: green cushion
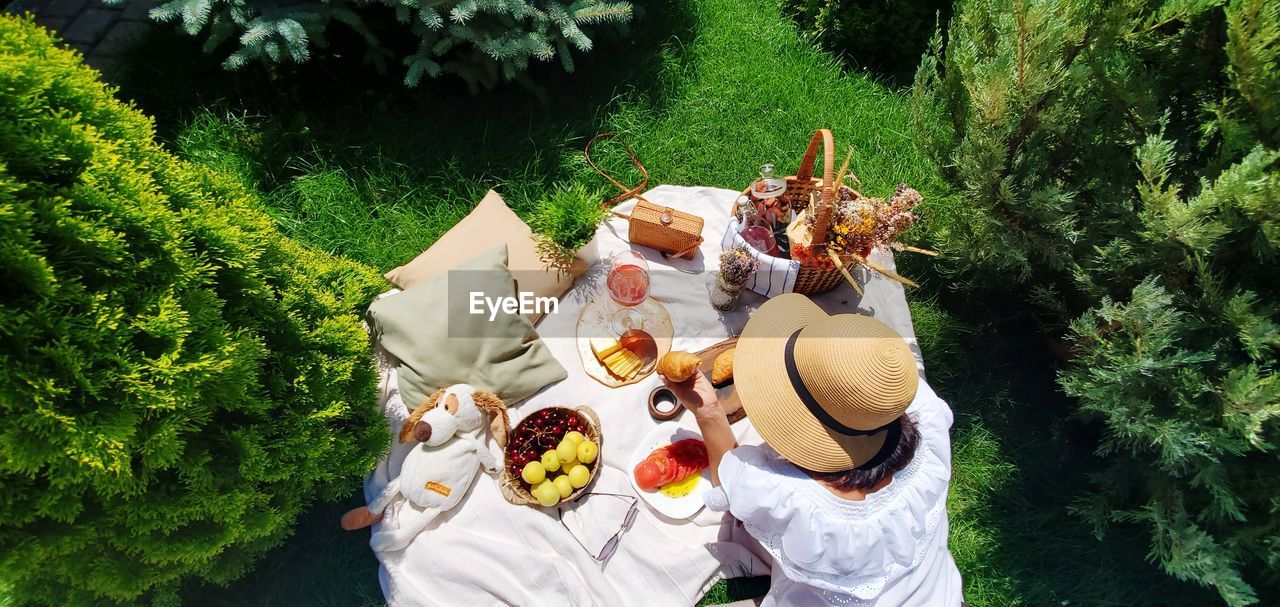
{"x": 438, "y": 342}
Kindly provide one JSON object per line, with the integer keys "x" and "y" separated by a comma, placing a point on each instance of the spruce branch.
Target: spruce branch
{"x": 609, "y": 12}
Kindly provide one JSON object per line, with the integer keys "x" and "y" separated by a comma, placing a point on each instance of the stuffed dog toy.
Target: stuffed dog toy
{"x": 438, "y": 471}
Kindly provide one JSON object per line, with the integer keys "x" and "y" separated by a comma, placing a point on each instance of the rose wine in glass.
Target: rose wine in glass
{"x": 628, "y": 279}
{"x": 628, "y": 284}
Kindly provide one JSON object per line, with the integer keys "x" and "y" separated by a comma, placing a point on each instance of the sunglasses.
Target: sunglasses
{"x": 611, "y": 546}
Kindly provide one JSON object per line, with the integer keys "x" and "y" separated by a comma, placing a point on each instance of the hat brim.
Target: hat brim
{"x": 770, "y": 401}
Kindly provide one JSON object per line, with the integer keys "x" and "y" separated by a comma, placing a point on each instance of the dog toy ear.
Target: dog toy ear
{"x": 499, "y": 423}
{"x": 406, "y": 431}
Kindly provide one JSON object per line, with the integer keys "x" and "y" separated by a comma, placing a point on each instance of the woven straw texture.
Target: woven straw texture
{"x": 858, "y": 369}
{"x": 815, "y": 279}
{"x": 675, "y": 233}
{"x": 666, "y": 230}
{"x": 876, "y": 375}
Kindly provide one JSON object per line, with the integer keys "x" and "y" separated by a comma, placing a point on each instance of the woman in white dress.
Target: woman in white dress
{"x": 849, "y": 492}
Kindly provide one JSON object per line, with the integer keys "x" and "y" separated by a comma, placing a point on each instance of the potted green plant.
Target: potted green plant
{"x": 566, "y": 221}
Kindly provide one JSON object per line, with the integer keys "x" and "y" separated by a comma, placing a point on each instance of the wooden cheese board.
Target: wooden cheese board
{"x": 728, "y": 395}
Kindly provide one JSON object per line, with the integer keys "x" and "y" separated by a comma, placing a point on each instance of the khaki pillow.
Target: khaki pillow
{"x": 491, "y": 223}
{"x": 438, "y": 342}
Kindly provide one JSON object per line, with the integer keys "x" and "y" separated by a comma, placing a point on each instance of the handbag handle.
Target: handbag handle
{"x": 667, "y": 212}
{"x": 626, "y": 192}
{"x": 826, "y": 206}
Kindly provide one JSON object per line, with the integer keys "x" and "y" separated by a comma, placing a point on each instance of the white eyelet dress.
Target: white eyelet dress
{"x": 889, "y": 550}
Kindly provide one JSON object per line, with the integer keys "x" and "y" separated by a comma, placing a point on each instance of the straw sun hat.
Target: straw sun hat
{"x": 824, "y": 391}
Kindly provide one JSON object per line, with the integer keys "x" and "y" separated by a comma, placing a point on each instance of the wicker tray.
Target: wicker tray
{"x": 512, "y": 487}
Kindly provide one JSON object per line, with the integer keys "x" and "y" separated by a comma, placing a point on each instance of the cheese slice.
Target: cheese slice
{"x": 622, "y": 370}
{"x": 631, "y": 366}
{"x": 613, "y": 360}
{"x": 603, "y": 347}
{"x": 623, "y": 363}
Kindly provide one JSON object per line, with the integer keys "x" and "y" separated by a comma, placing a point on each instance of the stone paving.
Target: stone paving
{"x": 101, "y": 32}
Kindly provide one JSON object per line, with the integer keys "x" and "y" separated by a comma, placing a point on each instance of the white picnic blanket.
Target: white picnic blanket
{"x": 487, "y": 551}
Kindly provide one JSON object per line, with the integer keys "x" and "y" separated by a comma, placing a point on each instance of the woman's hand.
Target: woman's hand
{"x": 696, "y": 394}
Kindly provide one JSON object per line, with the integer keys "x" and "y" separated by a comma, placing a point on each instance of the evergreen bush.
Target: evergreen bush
{"x": 482, "y": 41}
{"x": 888, "y": 35}
{"x": 177, "y": 380}
{"x": 1120, "y": 160}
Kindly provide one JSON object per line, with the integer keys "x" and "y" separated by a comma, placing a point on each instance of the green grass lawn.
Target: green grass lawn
{"x": 705, "y": 90}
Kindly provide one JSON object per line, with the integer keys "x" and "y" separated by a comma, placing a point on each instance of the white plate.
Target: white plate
{"x": 673, "y": 507}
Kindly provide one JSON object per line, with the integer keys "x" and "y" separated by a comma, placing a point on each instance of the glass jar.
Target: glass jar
{"x": 768, "y": 186}
{"x": 723, "y": 295}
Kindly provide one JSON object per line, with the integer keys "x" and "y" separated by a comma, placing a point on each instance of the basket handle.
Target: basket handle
{"x": 827, "y": 203}
{"x": 626, "y": 192}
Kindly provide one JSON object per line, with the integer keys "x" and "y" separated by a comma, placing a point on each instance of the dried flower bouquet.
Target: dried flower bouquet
{"x": 858, "y": 224}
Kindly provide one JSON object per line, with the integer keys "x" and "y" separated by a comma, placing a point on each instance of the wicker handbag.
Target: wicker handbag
{"x": 814, "y": 279}
{"x": 674, "y": 233}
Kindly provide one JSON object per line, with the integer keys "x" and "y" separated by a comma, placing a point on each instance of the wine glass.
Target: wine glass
{"x": 628, "y": 284}
{"x": 628, "y": 279}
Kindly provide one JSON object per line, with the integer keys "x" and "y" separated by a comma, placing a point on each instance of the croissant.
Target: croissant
{"x": 678, "y": 366}
{"x": 722, "y": 369}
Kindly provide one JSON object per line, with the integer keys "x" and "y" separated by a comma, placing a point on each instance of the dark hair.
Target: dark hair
{"x": 892, "y": 457}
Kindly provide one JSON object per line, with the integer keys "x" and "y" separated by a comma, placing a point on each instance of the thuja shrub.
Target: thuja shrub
{"x": 1122, "y": 167}
{"x": 887, "y": 35}
{"x": 177, "y": 379}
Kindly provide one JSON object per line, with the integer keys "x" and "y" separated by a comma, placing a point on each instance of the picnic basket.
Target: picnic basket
{"x": 512, "y": 487}
{"x": 815, "y": 278}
